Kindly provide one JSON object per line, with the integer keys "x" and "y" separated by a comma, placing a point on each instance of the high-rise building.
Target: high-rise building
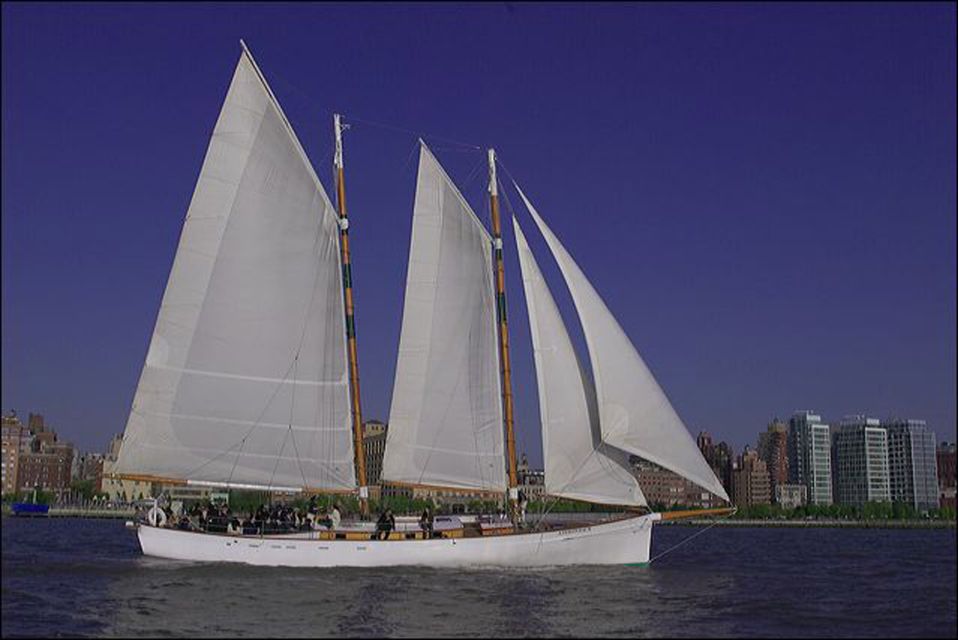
{"x": 773, "y": 449}
{"x": 35, "y": 422}
{"x": 661, "y": 487}
{"x": 374, "y": 448}
{"x": 809, "y": 456}
{"x": 719, "y": 457}
{"x": 945, "y": 456}
{"x": 43, "y": 461}
{"x": 860, "y": 461}
{"x": 911, "y": 463}
{"x": 532, "y": 482}
{"x": 11, "y": 430}
{"x": 750, "y": 480}
{"x": 47, "y": 466}
{"x": 91, "y": 468}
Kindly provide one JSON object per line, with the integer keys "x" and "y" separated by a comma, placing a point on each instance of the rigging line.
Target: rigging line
{"x": 296, "y": 453}
{"x": 279, "y": 384}
{"x": 279, "y": 457}
{"x": 242, "y": 441}
{"x": 290, "y": 430}
{"x": 472, "y": 174}
{"x": 694, "y": 535}
{"x": 292, "y": 404}
{"x": 420, "y": 133}
{"x": 313, "y": 101}
{"x": 505, "y": 168}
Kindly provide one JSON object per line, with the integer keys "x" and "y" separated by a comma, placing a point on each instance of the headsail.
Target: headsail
{"x": 445, "y": 422}
{"x": 245, "y": 381}
{"x": 578, "y": 464}
{"x": 634, "y": 413}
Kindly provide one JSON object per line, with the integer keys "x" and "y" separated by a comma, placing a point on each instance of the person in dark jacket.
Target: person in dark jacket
{"x": 385, "y": 525}
{"x": 425, "y": 523}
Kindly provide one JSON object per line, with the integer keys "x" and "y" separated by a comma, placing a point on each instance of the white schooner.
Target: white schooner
{"x": 251, "y": 379}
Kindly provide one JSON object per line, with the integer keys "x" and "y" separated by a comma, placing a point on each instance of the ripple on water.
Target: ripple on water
{"x": 730, "y": 582}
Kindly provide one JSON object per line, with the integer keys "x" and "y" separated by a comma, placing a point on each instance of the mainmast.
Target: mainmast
{"x": 350, "y": 320}
{"x": 503, "y": 337}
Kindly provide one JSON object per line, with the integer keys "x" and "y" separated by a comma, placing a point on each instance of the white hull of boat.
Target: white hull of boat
{"x": 625, "y": 541}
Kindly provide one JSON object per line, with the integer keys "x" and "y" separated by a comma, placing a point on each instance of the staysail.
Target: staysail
{"x": 634, "y": 413}
{"x": 578, "y": 464}
{"x": 445, "y": 422}
{"x": 245, "y": 382}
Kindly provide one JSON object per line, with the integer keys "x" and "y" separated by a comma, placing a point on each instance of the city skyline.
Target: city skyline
{"x": 715, "y": 438}
{"x": 743, "y": 245}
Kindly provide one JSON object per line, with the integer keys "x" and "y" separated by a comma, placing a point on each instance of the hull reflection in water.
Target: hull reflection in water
{"x": 625, "y": 541}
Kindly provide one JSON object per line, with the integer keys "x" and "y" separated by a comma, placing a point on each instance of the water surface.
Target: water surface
{"x": 88, "y": 578}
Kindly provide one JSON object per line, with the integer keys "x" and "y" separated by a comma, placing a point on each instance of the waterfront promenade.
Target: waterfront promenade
{"x": 77, "y": 512}
{"x": 828, "y": 523}
{"x": 853, "y": 523}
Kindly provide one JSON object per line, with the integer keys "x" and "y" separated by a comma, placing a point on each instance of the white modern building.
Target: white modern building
{"x": 809, "y": 456}
{"x": 860, "y": 461}
{"x": 912, "y": 465}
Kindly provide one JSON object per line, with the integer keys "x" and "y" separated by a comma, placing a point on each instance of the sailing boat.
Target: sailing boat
{"x": 251, "y": 379}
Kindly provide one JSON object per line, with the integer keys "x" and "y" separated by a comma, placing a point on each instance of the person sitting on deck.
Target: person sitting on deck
{"x": 335, "y": 517}
{"x": 385, "y": 525}
{"x": 234, "y": 527}
{"x": 425, "y": 523}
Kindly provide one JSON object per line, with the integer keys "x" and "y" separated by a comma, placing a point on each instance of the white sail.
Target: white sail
{"x": 634, "y": 413}
{"x": 246, "y": 381}
{"x": 445, "y": 422}
{"x": 578, "y": 464}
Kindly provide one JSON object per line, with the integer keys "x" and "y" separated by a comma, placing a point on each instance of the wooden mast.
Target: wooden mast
{"x": 503, "y": 338}
{"x": 350, "y": 320}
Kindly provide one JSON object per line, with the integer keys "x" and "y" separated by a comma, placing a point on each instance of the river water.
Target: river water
{"x": 88, "y": 578}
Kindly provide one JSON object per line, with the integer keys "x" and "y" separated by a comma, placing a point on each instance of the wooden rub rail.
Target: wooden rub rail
{"x": 696, "y": 513}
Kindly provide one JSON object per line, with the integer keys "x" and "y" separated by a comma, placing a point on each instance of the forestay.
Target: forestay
{"x": 634, "y": 413}
{"x": 246, "y": 379}
{"x": 578, "y": 464}
{"x": 445, "y": 422}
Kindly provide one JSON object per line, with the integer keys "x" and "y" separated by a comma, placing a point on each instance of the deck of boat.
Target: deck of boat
{"x": 444, "y": 528}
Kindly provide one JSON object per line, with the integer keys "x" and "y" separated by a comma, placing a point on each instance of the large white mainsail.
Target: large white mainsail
{"x": 634, "y": 413}
{"x": 246, "y": 381}
{"x": 445, "y": 422}
{"x": 578, "y": 464}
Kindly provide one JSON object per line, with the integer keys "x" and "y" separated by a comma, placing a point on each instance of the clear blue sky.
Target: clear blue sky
{"x": 764, "y": 195}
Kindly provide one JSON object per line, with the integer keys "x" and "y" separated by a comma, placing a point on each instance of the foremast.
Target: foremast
{"x": 503, "y": 328}
{"x": 350, "y": 318}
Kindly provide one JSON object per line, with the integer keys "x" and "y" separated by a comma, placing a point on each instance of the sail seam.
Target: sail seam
{"x": 236, "y": 376}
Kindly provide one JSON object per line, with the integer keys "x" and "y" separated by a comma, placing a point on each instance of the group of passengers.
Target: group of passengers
{"x": 267, "y": 519}
{"x": 276, "y": 518}
{"x": 387, "y": 523}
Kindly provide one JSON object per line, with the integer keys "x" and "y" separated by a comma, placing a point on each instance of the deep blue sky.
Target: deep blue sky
{"x": 763, "y": 194}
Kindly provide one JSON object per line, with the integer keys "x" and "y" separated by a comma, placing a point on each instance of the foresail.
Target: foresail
{"x": 246, "y": 381}
{"x": 445, "y": 422}
{"x": 634, "y": 413}
{"x": 578, "y": 464}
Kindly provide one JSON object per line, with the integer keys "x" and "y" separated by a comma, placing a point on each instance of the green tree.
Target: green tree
{"x": 42, "y": 497}
{"x": 83, "y": 489}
